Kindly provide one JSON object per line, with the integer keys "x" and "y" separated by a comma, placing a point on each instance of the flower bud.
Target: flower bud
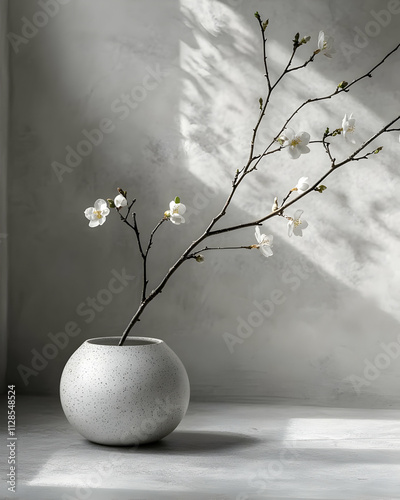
{"x": 275, "y": 206}
{"x": 199, "y": 258}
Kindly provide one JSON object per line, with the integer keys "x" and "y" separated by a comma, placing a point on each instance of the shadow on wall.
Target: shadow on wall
{"x": 186, "y": 137}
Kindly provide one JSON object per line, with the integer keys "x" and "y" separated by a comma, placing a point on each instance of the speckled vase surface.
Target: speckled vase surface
{"x": 124, "y": 395}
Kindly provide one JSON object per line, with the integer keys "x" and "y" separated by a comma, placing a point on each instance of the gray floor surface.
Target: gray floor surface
{"x": 220, "y": 451}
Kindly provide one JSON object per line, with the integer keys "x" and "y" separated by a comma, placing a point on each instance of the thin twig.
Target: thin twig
{"x": 205, "y": 249}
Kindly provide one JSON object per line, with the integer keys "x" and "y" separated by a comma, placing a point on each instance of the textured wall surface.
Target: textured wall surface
{"x": 3, "y": 188}
{"x": 180, "y": 82}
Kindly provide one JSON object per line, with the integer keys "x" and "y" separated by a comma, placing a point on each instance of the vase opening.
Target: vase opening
{"x": 130, "y": 341}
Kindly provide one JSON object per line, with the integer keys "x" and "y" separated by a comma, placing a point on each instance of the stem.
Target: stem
{"x": 264, "y": 45}
{"x": 143, "y": 253}
{"x": 197, "y": 252}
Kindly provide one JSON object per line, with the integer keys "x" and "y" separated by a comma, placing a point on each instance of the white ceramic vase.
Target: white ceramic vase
{"x": 124, "y": 395}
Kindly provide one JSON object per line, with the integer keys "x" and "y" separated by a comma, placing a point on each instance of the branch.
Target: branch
{"x": 238, "y": 178}
{"x": 143, "y": 253}
{"x": 324, "y": 98}
{"x": 311, "y": 59}
{"x": 262, "y": 29}
{"x": 205, "y": 249}
{"x": 350, "y": 158}
{"x": 152, "y": 235}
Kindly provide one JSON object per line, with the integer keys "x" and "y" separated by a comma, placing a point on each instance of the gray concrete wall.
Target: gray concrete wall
{"x": 194, "y": 70}
{"x": 3, "y": 188}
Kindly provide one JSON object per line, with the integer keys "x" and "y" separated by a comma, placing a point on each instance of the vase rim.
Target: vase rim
{"x": 129, "y": 342}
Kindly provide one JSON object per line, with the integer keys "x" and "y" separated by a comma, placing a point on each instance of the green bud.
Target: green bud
{"x": 296, "y": 39}
{"x": 261, "y": 102}
{"x": 265, "y": 24}
{"x": 199, "y": 258}
{"x": 257, "y": 16}
{"x": 377, "y": 150}
{"x": 326, "y": 131}
{"x": 305, "y": 40}
{"x": 342, "y": 85}
{"x": 321, "y": 188}
{"x": 177, "y": 199}
{"x": 111, "y": 202}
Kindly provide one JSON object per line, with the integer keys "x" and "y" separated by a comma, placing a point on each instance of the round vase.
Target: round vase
{"x": 124, "y": 395}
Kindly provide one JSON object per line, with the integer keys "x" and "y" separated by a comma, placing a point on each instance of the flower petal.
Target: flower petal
{"x": 258, "y": 234}
{"x": 290, "y": 227}
{"x": 89, "y": 212}
{"x": 266, "y": 250}
{"x": 303, "y": 149}
{"x": 294, "y": 152}
{"x": 177, "y": 219}
{"x": 297, "y": 231}
{"x": 94, "y": 223}
{"x": 120, "y": 201}
{"x": 270, "y": 238}
{"x": 304, "y": 138}
{"x": 100, "y": 204}
{"x": 289, "y": 133}
{"x": 321, "y": 38}
{"x": 105, "y": 212}
{"x": 181, "y": 208}
{"x": 298, "y": 214}
{"x": 303, "y": 224}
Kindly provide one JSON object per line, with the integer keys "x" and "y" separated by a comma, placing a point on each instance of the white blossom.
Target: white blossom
{"x": 348, "y": 127}
{"x": 296, "y": 224}
{"x": 296, "y": 143}
{"x": 120, "y": 201}
{"x": 175, "y": 212}
{"x": 97, "y": 214}
{"x": 325, "y": 45}
{"x": 302, "y": 185}
{"x": 264, "y": 242}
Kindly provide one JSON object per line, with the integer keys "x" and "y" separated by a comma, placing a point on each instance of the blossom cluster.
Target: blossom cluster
{"x": 296, "y": 144}
{"x": 98, "y": 213}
